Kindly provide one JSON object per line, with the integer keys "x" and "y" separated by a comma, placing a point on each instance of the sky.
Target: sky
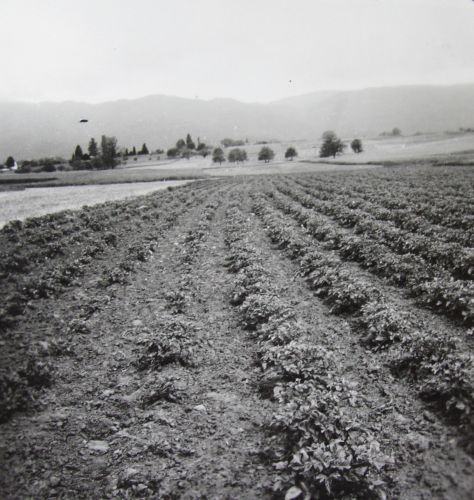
{"x": 250, "y": 50}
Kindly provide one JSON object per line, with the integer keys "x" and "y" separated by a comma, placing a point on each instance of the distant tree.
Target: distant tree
{"x": 331, "y": 146}
{"x": 233, "y": 155}
{"x": 201, "y": 146}
{"x": 266, "y": 154}
{"x": 189, "y": 142}
{"x": 172, "y": 152}
{"x": 78, "y": 154}
{"x": 93, "y": 148}
{"x": 134, "y": 151}
{"x": 356, "y": 146}
{"x": 237, "y": 155}
{"x": 291, "y": 153}
{"x": 144, "y": 150}
{"x": 180, "y": 144}
{"x": 396, "y": 132}
{"x": 126, "y": 153}
{"x": 218, "y": 156}
{"x": 48, "y": 167}
{"x": 10, "y": 163}
{"x": 108, "y": 151}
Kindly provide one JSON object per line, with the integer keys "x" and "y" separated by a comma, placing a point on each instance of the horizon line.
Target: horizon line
{"x": 222, "y": 98}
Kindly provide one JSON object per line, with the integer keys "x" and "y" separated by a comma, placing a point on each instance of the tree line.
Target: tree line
{"x": 238, "y": 155}
{"x": 187, "y": 148}
{"x": 106, "y": 154}
{"x": 333, "y": 146}
{"x": 97, "y": 157}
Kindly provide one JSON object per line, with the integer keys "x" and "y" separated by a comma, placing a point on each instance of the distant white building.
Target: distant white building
{"x": 4, "y": 168}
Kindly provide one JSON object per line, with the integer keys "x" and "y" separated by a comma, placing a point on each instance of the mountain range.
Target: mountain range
{"x": 32, "y": 130}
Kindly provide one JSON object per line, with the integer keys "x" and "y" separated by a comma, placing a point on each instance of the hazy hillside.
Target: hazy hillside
{"x": 31, "y": 130}
{"x": 371, "y": 111}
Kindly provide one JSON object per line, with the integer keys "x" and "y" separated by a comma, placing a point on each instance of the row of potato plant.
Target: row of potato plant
{"x": 452, "y": 257}
{"x": 429, "y": 205}
{"x": 36, "y": 241}
{"x": 434, "y": 361}
{"x": 431, "y": 287}
{"x": 323, "y": 450}
{"x": 20, "y": 387}
{"x": 362, "y": 203}
{"x": 174, "y": 337}
{"x": 50, "y": 277}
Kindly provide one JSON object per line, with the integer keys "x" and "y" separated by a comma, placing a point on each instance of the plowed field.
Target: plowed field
{"x": 299, "y": 336}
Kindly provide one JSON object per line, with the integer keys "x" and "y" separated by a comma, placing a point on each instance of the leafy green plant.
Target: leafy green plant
{"x": 173, "y": 343}
{"x": 258, "y": 309}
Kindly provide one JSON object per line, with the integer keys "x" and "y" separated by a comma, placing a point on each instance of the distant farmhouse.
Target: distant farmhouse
{"x": 10, "y": 166}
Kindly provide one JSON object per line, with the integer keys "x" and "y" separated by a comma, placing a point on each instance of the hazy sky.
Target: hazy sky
{"x": 96, "y": 50}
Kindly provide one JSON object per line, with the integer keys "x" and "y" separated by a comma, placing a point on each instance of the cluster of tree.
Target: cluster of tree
{"x": 332, "y": 145}
{"x": 49, "y": 164}
{"x": 227, "y": 143}
{"x": 240, "y": 155}
{"x": 133, "y": 151}
{"x": 266, "y": 154}
{"x": 396, "y": 132}
{"x": 105, "y": 156}
{"x": 187, "y": 148}
{"x": 235, "y": 155}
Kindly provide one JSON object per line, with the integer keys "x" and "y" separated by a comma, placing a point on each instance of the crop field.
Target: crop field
{"x": 290, "y": 336}
{"x": 31, "y": 202}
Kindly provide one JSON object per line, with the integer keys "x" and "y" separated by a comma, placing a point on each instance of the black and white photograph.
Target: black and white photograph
{"x": 237, "y": 249}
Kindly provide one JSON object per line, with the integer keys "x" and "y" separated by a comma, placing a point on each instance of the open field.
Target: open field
{"x": 159, "y": 172}
{"x": 304, "y": 335}
{"x": 422, "y": 148}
